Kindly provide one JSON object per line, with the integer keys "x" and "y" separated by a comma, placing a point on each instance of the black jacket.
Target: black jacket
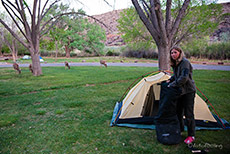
{"x": 182, "y": 77}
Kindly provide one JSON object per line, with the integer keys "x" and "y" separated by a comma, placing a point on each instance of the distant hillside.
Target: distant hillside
{"x": 224, "y": 25}
{"x": 114, "y": 38}
{"x": 112, "y": 33}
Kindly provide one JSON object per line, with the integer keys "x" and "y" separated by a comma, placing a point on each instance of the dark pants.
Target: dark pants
{"x": 185, "y": 106}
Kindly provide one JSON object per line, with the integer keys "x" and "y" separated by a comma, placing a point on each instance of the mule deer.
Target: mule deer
{"x": 67, "y": 65}
{"x": 16, "y": 67}
{"x": 103, "y": 62}
{"x": 30, "y": 68}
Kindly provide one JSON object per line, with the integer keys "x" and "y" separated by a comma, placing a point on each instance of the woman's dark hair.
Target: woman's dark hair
{"x": 173, "y": 62}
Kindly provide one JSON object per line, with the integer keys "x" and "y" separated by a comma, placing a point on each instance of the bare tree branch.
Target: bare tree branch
{"x": 50, "y": 27}
{"x": 23, "y": 16}
{"x": 145, "y": 20}
{"x": 176, "y": 42}
{"x": 19, "y": 27}
{"x": 27, "y": 7}
{"x": 160, "y": 21}
{"x": 38, "y": 15}
{"x": 43, "y": 9}
{"x": 179, "y": 18}
{"x": 47, "y": 10}
{"x": 15, "y": 35}
{"x": 168, "y": 19}
{"x": 6, "y": 6}
{"x": 153, "y": 17}
{"x": 108, "y": 3}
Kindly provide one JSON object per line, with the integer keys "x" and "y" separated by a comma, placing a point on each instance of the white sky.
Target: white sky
{"x": 94, "y": 7}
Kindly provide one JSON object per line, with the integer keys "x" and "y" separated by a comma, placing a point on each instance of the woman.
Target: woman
{"x": 182, "y": 78}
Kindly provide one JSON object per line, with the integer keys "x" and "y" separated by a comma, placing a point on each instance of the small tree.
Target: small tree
{"x": 75, "y": 32}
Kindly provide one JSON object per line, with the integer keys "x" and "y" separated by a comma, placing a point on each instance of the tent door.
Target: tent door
{"x": 150, "y": 107}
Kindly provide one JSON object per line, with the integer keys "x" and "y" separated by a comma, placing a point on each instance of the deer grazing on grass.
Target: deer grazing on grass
{"x": 67, "y": 65}
{"x": 103, "y": 62}
{"x": 16, "y": 67}
{"x": 30, "y": 68}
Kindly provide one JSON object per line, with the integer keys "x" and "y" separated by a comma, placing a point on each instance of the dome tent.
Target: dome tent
{"x": 140, "y": 106}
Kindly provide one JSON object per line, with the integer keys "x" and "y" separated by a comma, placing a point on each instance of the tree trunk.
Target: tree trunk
{"x": 1, "y": 49}
{"x": 67, "y": 51}
{"x": 35, "y": 55}
{"x": 36, "y": 63}
{"x": 56, "y": 54}
{"x": 163, "y": 57}
{"x": 14, "y": 50}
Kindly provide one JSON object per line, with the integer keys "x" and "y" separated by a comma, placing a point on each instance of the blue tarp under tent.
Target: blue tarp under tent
{"x": 139, "y": 105}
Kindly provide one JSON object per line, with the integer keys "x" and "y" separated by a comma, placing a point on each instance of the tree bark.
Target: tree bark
{"x": 163, "y": 61}
{"x": 14, "y": 50}
{"x": 1, "y": 51}
{"x": 67, "y": 51}
{"x": 56, "y": 54}
{"x": 36, "y": 66}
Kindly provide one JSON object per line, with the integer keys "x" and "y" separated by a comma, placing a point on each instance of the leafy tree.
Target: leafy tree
{"x": 168, "y": 26}
{"x": 93, "y": 39}
{"x": 133, "y": 30}
{"x": 59, "y": 27}
{"x": 75, "y": 32}
{"x": 82, "y": 35}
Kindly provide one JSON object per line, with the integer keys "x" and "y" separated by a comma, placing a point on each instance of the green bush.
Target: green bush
{"x": 200, "y": 48}
{"x": 219, "y": 50}
{"x": 150, "y": 54}
{"x": 112, "y": 53}
{"x": 196, "y": 48}
{"x": 140, "y": 50}
{"x": 112, "y": 50}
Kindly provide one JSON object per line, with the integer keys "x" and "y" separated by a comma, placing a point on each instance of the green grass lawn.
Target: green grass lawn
{"x": 69, "y": 111}
{"x": 110, "y": 59}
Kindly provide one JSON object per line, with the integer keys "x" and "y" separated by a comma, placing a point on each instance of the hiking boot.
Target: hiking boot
{"x": 189, "y": 139}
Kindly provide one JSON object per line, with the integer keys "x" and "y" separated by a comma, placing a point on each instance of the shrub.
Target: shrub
{"x": 201, "y": 49}
{"x": 140, "y": 50}
{"x": 196, "y": 48}
{"x": 150, "y": 54}
{"x": 112, "y": 53}
{"x": 112, "y": 50}
{"x": 219, "y": 50}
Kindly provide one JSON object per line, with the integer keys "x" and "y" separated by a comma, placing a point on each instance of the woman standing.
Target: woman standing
{"x": 182, "y": 78}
